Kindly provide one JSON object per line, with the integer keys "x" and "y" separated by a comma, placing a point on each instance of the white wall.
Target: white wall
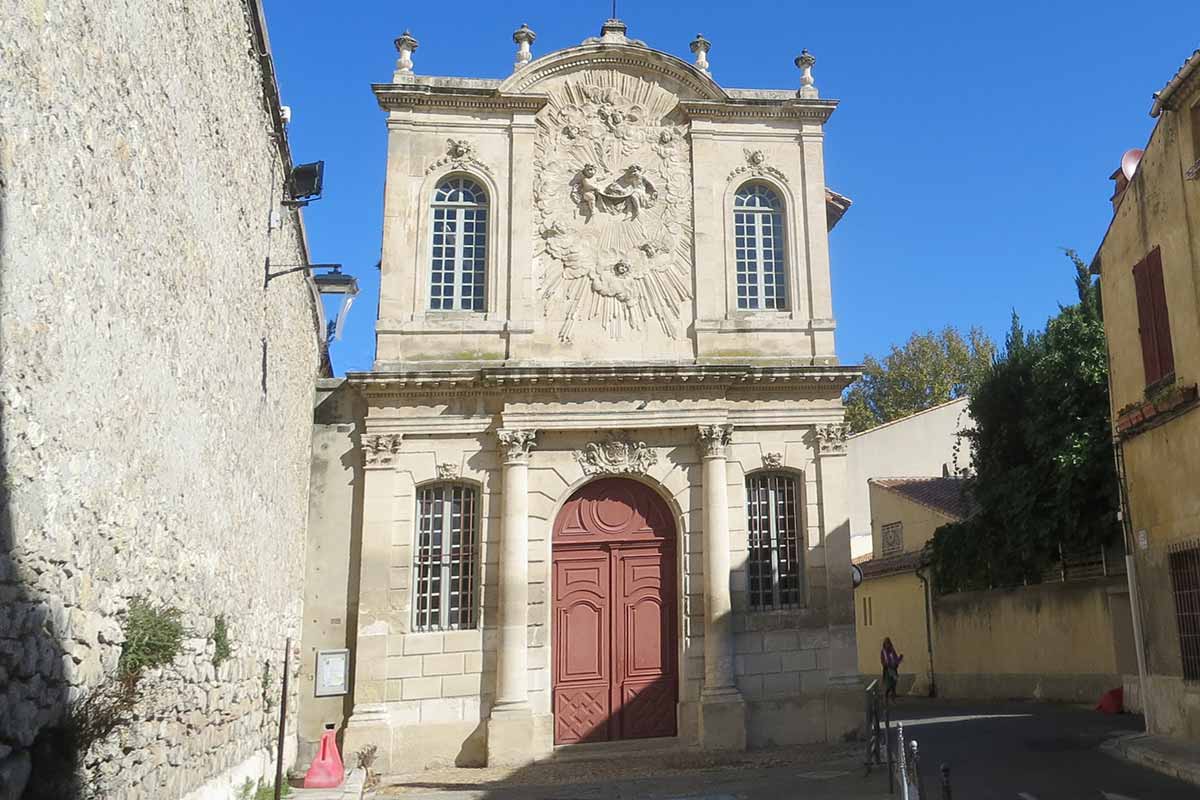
{"x": 918, "y": 445}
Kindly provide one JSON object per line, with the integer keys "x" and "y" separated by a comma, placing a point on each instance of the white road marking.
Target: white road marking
{"x": 1026, "y": 796}
{"x": 1111, "y": 796}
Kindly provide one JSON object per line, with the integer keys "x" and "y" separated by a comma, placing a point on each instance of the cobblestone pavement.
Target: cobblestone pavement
{"x": 816, "y": 772}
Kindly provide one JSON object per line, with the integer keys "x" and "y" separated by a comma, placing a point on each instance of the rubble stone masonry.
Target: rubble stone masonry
{"x": 152, "y": 445}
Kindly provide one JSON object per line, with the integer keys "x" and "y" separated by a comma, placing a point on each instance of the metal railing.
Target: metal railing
{"x": 903, "y": 756}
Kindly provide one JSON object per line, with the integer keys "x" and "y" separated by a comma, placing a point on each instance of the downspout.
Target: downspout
{"x": 928, "y": 630}
{"x": 1135, "y": 600}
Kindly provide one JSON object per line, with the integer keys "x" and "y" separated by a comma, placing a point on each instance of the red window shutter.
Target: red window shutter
{"x": 1162, "y": 320}
{"x": 1146, "y": 327}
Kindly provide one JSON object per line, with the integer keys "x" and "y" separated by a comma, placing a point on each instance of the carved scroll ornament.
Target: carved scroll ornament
{"x": 831, "y": 438}
{"x": 616, "y": 457}
{"x": 381, "y": 449}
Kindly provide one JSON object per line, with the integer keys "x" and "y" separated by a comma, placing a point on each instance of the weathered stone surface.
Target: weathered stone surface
{"x": 144, "y": 451}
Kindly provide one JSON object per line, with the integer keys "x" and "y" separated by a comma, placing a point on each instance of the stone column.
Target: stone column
{"x": 843, "y": 697}
{"x": 368, "y": 724}
{"x": 510, "y": 725}
{"x": 722, "y": 711}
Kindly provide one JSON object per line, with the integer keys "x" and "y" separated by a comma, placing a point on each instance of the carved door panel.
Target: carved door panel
{"x": 582, "y": 646}
{"x": 613, "y": 635}
{"x": 644, "y": 686}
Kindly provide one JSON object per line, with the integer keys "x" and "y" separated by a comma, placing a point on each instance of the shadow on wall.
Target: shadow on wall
{"x": 39, "y": 748}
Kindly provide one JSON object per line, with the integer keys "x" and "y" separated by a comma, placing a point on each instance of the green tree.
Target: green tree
{"x": 929, "y": 369}
{"x": 1043, "y": 474}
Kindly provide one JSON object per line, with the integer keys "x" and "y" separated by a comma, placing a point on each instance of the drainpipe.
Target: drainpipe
{"x": 1135, "y": 600}
{"x": 928, "y": 631}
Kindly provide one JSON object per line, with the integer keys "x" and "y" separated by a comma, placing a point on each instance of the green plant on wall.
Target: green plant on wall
{"x": 153, "y": 635}
{"x": 222, "y": 648}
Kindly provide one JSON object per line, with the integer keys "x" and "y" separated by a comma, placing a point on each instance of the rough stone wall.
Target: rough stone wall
{"x": 144, "y": 453}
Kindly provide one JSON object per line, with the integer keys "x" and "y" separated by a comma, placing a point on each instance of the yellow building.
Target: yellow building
{"x": 1149, "y": 267}
{"x": 893, "y": 600}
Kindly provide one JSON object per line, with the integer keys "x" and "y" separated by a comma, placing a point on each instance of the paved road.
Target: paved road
{"x": 1010, "y": 751}
{"x": 1030, "y": 751}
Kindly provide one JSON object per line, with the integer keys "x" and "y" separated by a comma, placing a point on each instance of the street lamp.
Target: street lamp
{"x": 334, "y": 283}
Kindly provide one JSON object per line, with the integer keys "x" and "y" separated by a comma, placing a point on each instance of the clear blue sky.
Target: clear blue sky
{"x": 975, "y": 139}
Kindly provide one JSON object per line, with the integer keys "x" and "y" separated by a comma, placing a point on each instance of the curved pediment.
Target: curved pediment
{"x": 672, "y": 73}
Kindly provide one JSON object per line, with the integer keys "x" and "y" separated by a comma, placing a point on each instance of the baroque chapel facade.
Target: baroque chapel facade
{"x": 599, "y": 471}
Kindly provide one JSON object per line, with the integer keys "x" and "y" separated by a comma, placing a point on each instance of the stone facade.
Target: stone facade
{"x": 155, "y": 400}
{"x": 602, "y": 340}
{"x": 1156, "y": 216}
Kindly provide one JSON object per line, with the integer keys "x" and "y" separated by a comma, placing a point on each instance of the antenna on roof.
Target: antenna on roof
{"x": 614, "y": 16}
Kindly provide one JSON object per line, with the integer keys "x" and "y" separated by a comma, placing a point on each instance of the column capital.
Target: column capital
{"x": 516, "y": 445}
{"x": 831, "y": 438}
{"x": 714, "y": 439}
{"x": 380, "y": 449}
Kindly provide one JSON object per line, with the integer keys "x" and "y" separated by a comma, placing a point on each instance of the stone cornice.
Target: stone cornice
{"x": 397, "y": 96}
{"x": 592, "y": 378}
{"x": 802, "y": 110}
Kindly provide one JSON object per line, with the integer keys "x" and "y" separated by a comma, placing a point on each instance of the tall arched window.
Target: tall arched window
{"x": 758, "y": 237}
{"x": 775, "y": 566}
{"x": 459, "y": 261}
{"x": 445, "y": 561}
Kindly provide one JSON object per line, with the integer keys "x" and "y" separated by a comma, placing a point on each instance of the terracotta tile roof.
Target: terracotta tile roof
{"x": 942, "y": 494}
{"x": 890, "y": 565}
{"x": 1162, "y": 98}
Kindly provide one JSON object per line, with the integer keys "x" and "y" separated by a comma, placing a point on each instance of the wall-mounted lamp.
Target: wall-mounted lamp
{"x": 334, "y": 283}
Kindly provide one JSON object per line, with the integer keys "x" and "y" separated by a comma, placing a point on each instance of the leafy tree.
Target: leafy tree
{"x": 1043, "y": 474}
{"x": 931, "y": 368}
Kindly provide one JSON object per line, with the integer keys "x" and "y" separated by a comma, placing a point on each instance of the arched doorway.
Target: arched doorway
{"x": 613, "y": 624}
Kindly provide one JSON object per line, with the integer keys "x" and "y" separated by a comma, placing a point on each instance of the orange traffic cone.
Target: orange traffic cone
{"x": 327, "y": 770}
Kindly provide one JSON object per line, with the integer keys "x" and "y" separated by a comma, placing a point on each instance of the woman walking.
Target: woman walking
{"x": 890, "y": 660}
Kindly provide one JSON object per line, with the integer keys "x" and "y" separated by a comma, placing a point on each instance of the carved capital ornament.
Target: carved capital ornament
{"x": 381, "y": 449}
{"x": 831, "y": 438}
{"x": 714, "y": 439}
{"x": 516, "y": 445}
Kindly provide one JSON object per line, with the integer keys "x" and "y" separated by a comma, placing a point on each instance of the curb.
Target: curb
{"x": 1138, "y": 748}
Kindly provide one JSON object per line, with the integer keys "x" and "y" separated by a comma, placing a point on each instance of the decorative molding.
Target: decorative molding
{"x": 616, "y": 457}
{"x": 802, "y": 110}
{"x": 714, "y": 439}
{"x": 381, "y": 449}
{"x": 772, "y": 460}
{"x": 613, "y": 206}
{"x": 460, "y": 154}
{"x": 756, "y": 164}
{"x": 448, "y": 471}
{"x": 600, "y": 58}
{"x": 516, "y": 445}
{"x": 392, "y": 96}
{"x": 831, "y": 438}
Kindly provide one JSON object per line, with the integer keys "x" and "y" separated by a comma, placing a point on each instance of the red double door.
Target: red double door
{"x": 614, "y": 643}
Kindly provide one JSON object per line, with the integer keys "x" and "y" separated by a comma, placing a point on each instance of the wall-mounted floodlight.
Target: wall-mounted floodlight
{"x": 305, "y": 183}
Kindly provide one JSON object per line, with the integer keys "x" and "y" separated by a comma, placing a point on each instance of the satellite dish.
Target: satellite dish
{"x": 1129, "y": 162}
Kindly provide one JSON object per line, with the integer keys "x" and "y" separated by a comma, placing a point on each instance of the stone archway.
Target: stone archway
{"x": 613, "y": 625}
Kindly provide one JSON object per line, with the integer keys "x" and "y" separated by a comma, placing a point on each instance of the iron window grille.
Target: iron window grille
{"x": 775, "y": 567}
{"x": 459, "y": 256}
{"x": 1184, "y": 562}
{"x": 758, "y": 244}
{"x": 445, "y": 561}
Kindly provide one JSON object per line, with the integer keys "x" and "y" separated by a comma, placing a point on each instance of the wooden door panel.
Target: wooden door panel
{"x": 614, "y": 668}
{"x": 582, "y": 643}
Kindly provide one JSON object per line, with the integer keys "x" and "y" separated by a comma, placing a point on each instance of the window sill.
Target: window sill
{"x": 1140, "y": 417}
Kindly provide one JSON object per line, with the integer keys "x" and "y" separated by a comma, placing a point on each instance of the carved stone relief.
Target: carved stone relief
{"x": 516, "y": 445}
{"x": 448, "y": 471}
{"x": 714, "y": 439}
{"x": 460, "y": 154}
{"x": 772, "y": 460}
{"x": 612, "y": 196}
{"x": 616, "y": 457}
{"x": 756, "y": 164}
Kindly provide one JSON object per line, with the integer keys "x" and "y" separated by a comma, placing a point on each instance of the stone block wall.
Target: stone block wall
{"x": 155, "y": 400}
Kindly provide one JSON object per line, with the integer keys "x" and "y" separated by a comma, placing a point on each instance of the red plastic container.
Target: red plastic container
{"x": 327, "y": 770}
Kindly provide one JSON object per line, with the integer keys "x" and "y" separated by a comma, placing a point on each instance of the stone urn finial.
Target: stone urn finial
{"x": 405, "y": 45}
{"x": 700, "y": 47}
{"x": 524, "y": 37}
{"x": 805, "y": 62}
